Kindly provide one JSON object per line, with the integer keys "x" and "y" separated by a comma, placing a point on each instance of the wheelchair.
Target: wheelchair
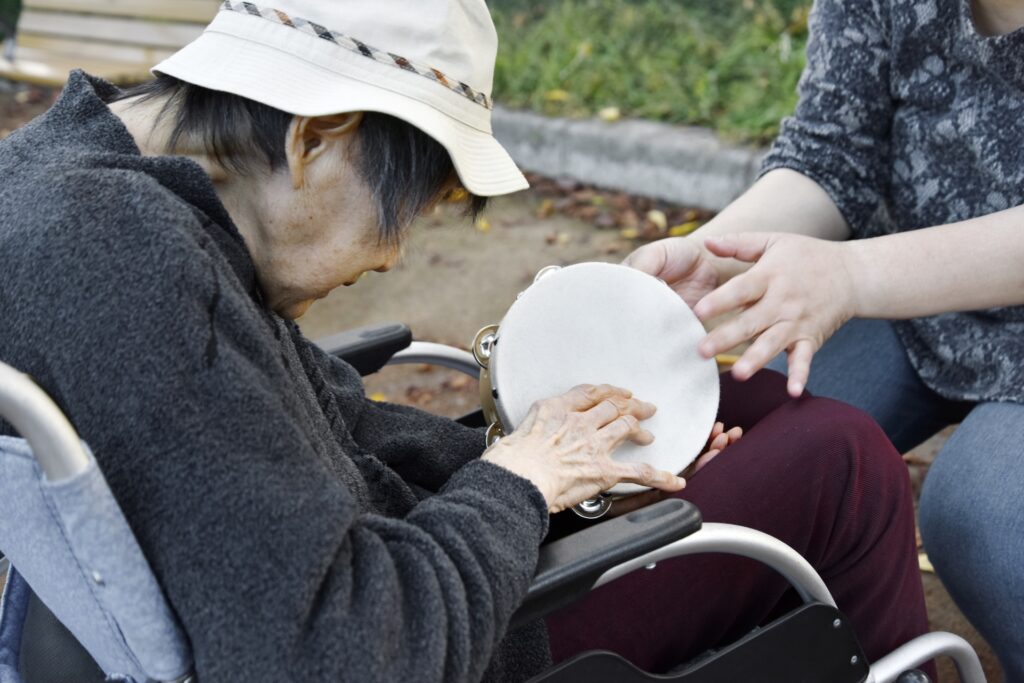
{"x": 80, "y": 603}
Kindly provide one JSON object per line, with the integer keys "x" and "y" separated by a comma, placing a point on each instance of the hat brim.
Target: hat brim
{"x": 228, "y": 63}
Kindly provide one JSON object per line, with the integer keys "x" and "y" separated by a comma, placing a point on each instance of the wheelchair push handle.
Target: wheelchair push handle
{"x": 37, "y": 418}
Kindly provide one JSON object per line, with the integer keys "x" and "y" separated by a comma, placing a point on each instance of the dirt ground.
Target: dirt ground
{"x": 456, "y": 277}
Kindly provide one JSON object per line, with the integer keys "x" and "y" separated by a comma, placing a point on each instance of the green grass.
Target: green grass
{"x": 728, "y": 64}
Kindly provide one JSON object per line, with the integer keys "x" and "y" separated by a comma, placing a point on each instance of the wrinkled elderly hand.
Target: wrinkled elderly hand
{"x": 564, "y": 445}
{"x": 796, "y": 295}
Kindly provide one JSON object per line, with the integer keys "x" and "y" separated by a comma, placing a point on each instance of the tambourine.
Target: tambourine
{"x": 599, "y": 323}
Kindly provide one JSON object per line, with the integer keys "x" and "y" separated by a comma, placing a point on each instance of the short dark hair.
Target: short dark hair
{"x": 405, "y": 168}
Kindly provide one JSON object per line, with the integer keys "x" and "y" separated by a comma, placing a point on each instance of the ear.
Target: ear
{"x": 309, "y": 137}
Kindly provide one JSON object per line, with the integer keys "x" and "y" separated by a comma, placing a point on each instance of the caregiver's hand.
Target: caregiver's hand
{"x": 681, "y": 263}
{"x": 796, "y": 295}
{"x": 564, "y": 445}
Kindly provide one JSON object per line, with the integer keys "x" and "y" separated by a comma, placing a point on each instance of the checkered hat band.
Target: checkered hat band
{"x": 360, "y": 48}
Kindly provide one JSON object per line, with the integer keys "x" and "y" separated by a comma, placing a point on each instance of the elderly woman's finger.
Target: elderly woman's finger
{"x": 625, "y": 428}
{"x": 619, "y": 430}
{"x": 642, "y": 437}
{"x": 586, "y": 396}
{"x": 799, "y": 367}
{"x": 611, "y": 408}
{"x": 646, "y": 475}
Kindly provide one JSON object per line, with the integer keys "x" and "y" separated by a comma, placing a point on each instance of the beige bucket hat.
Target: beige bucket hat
{"x": 427, "y": 62}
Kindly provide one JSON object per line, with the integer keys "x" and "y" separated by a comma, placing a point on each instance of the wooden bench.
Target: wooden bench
{"x": 119, "y": 40}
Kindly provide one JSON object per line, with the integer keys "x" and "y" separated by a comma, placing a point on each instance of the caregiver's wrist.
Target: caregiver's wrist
{"x": 865, "y": 282}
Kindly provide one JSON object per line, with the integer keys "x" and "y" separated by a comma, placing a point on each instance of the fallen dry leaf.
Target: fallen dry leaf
{"x": 683, "y": 229}
{"x": 546, "y": 208}
{"x": 458, "y": 382}
{"x": 659, "y": 219}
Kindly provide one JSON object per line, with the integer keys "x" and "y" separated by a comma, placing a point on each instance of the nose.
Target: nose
{"x": 388, "y": 263}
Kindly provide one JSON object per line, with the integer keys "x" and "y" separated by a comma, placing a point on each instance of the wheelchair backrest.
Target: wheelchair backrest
{"x": 70, "y": 542}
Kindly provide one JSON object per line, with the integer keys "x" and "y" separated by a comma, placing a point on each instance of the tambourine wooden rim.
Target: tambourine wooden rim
{"x": 595, "y": 304}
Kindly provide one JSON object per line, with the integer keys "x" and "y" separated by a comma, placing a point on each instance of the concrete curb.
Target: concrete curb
{"x": 680, "y": 164}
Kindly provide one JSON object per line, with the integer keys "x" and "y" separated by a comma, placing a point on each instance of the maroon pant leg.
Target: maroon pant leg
{"x": 817, "y": 474}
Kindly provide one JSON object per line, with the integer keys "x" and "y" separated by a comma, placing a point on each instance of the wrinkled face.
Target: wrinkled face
{"x": 319, "y": 236}
{"x": 312, "y": 226}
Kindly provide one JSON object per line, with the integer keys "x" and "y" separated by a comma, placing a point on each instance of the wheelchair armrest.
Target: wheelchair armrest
{"x": 568, "y": 568}
{"x": 368, "y": 349}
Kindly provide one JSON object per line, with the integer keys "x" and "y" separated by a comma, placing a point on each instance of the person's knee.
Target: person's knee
{"x": 953, "y": 522}
{"x": 847, "y": 448}
{"x": 841, "y": 431}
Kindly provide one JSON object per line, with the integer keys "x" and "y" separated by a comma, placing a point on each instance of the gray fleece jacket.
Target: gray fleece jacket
{"x": 300, "y": 531}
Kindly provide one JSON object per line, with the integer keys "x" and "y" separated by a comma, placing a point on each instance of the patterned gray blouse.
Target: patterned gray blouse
{"x": 909, "y": 118}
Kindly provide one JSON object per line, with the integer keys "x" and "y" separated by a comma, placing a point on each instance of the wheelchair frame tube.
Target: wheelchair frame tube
{"x": 745, "y": 542}
{"x": 736, "y": 540}
{"x": 438, "y": 354}
{"x": 921, "y": 649}
{"x": 36, "y": 417}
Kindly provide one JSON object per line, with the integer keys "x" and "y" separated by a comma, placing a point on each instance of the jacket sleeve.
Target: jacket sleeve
{"x": 839, "y": 134}
{"x": 424, "y": 449}
{"x": 125, "y": 313}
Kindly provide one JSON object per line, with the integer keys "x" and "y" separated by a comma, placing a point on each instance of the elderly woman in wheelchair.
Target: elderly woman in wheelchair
{"x": 156, "y": 246}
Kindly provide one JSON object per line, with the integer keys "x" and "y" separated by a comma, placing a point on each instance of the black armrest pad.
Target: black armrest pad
{"x": 569, "y": 567}
{"x": 368, "y": 349}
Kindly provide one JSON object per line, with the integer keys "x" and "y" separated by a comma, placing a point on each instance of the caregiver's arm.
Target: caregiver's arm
{"x": 825, "y": 174}
{"x": 782, "y": 200}
{"x": 974, "y": 264}
{"x": 800, "y": 289}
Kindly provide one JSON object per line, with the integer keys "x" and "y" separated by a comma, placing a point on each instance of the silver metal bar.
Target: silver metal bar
{"x": 736, "y": 540}
{"x": 38, "y": 419}
{"x": 920, "y": 650}
{"x": 438, "y": 354}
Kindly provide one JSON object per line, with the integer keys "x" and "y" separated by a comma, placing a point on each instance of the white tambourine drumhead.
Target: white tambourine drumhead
{"x": 599, "y": 323}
